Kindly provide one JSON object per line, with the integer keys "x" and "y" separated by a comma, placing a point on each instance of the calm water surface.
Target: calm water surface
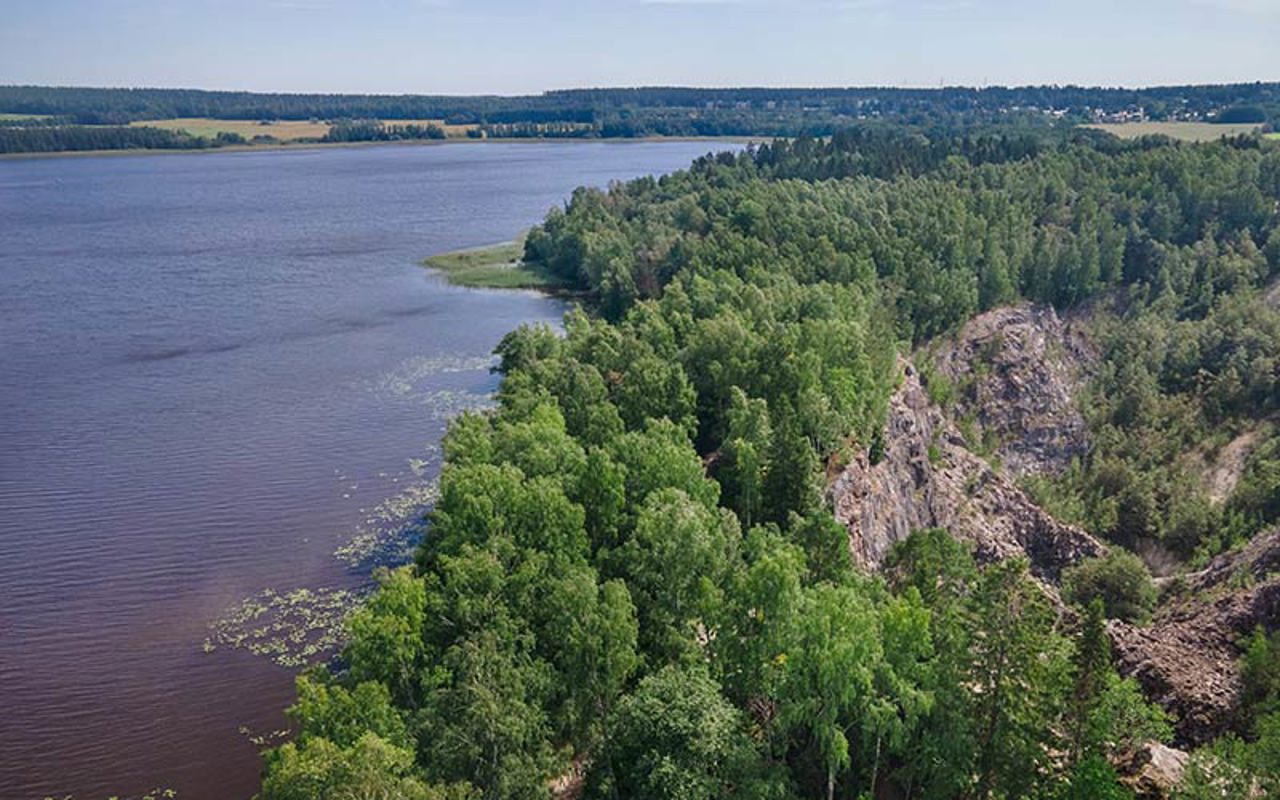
{"x": 215, "y": 371}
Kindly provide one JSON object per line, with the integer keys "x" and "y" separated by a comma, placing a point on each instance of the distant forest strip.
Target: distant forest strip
{"x": 66, "y": 138}
{"x": 37, "y": 119}
{"x": 666, "y": 111}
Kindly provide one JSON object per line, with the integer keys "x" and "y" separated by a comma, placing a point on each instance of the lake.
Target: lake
{"x": 225, "y": 379}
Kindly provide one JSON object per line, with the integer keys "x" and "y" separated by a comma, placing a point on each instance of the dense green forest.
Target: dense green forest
{"x": 631, "y": 578}
{"x": 375, "y": 131}
{"x": 60, "y": 138}
{"x": 624, "y": 113}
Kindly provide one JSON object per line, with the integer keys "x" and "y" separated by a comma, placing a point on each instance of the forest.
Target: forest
{"x": 60, "y": 138}
{"x": 375, "y": 131}
{"x": 118, "y": 106}
{"x": 623, "y": 113}
{"x": 632, "y": 583}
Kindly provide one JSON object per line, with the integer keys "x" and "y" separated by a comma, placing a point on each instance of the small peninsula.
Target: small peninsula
{"x": 496, "y": 266}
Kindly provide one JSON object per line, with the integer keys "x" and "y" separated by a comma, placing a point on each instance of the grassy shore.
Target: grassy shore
{"x": 1183, "y": 131}
{"x": 497, "y": 266}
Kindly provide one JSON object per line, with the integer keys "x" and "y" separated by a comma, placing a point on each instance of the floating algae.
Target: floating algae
{"x": 265, "y": 739}
{"x": 391, "y": 532}
{"x": 154, "y": 794}
{"x": 405, "y": 380}
{"x": 293, "y": 629}
{"x": 303, "y": 626}
{"x": 411, "y": 381}
{"x": 445, "y": 404}
{"x": 393, "y": 528}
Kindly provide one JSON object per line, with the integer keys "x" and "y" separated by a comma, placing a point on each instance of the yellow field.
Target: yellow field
{"x": 1184, "y": 131}
{"x": 284, "y": 130}
{"x": 23, "y": 116}
{"x": 1275, "y": 136}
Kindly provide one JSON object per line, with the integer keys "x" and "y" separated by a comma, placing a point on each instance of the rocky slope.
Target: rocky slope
{"x": 928, "y": 478}
{"x": 1016, "y": 375}
{"x": 1221, "y": 472}
{"x": 1187, "y": 659}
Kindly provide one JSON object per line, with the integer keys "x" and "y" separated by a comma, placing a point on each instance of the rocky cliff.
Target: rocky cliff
{"x": 1016, "y": 374}
{"x": 1187, "y": 658}
{"x": 928, "y": 478}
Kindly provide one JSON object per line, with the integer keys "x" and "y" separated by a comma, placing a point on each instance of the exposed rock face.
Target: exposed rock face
{"x": 1187, "y": 659}
{"x": 928, "y": 479}
{"x": 1153, "y": 771}
{"x": 1018, "y": 372}
{"x": 1021, "y": 369}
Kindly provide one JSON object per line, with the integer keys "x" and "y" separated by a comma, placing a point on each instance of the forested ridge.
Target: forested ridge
{"x": 631, "y": 580}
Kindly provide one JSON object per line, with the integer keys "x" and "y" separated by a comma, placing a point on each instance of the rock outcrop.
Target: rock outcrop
{"x": 929, "y": 479}
{"x": 1187, "y": 658}
{"x": 1017, "y": 373}
{"x": 1152, "y": 771}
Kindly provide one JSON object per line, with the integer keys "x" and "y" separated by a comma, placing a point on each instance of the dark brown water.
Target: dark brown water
{"x": 215, "y": 371}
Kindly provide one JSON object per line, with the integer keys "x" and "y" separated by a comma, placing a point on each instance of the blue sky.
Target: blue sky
{"x": 506, "y": 46}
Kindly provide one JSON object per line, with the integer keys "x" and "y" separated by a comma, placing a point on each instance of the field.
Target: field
{"x": 1183, "y": 131}
{"x": 495, "y": 267}
{"x": 1273, "y": 136}
{"x": 284, "y": 130}
{"x": 7, "y": 117}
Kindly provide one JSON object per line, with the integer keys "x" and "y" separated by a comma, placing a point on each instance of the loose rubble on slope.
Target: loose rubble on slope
{"x": 1187, "y": 658}
{"x": 1221, "y": 472}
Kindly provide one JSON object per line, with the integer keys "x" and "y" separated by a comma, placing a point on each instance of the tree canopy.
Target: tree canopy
{"x": 631, "y": 571}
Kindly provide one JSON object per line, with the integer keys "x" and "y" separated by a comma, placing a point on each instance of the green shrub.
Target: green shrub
{"x": 1119, "y": 579}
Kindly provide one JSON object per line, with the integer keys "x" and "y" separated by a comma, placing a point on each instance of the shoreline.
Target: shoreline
{"x": 278, "y": 148}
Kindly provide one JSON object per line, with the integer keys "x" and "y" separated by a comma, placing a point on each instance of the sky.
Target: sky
{"x": 526, "y": 46}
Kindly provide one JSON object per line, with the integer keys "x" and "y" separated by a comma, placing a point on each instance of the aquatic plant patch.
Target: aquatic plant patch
{"x": 407, "y": 379}
{"x": 293, "y": 629}
{"x": 392, "y": 530}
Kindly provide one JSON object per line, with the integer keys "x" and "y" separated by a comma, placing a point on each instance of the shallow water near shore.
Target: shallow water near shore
{"x": 225, "y": 380}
